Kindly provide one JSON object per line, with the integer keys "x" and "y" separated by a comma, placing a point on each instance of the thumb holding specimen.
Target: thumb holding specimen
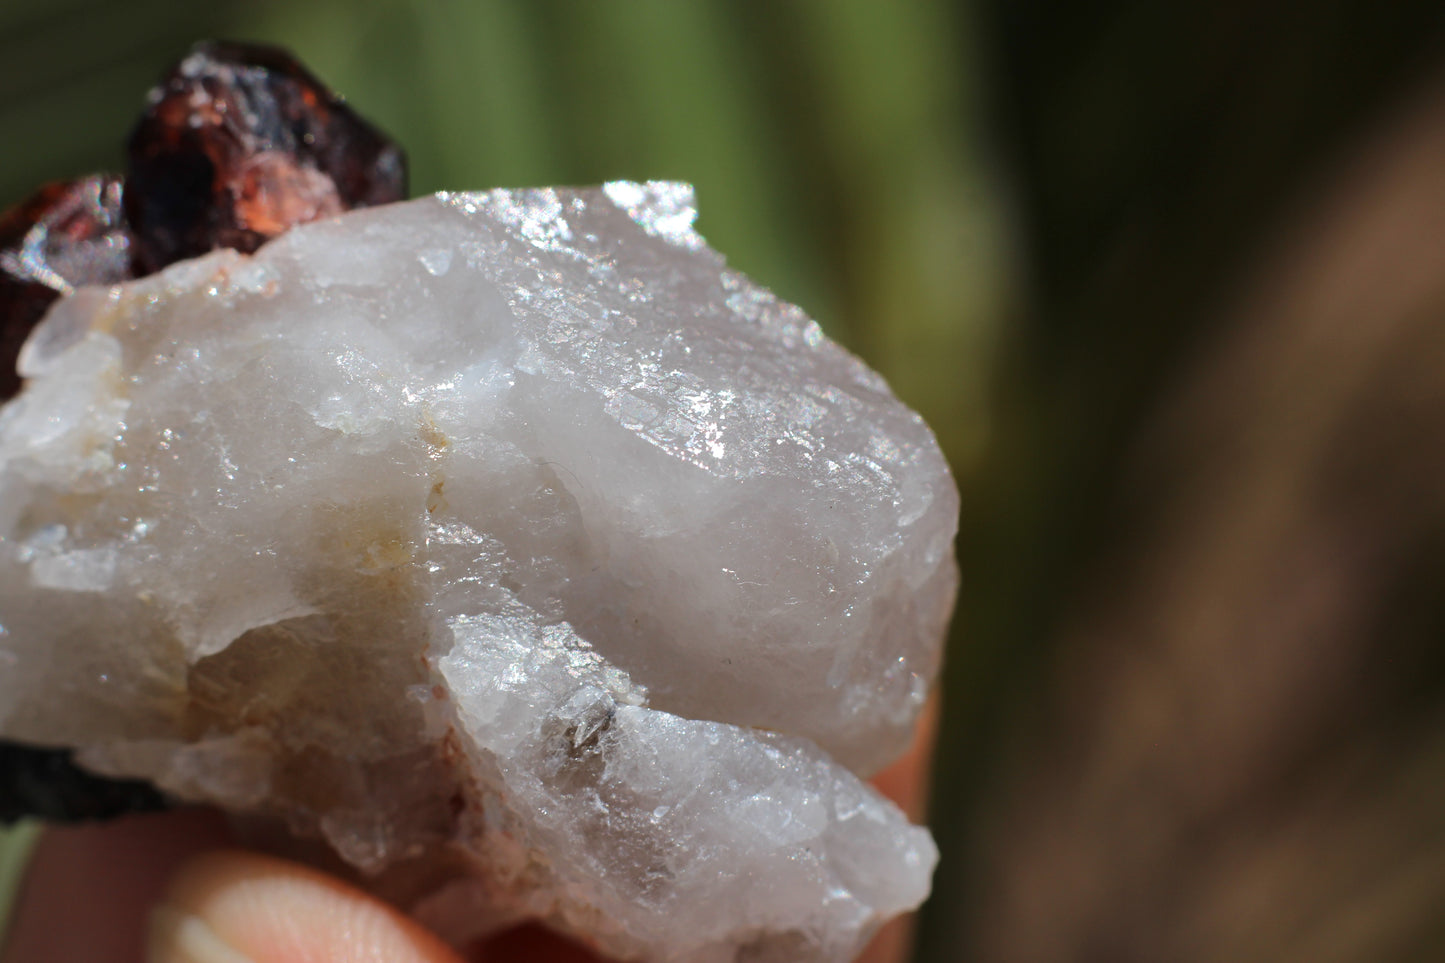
{"x": 235, "y": 907}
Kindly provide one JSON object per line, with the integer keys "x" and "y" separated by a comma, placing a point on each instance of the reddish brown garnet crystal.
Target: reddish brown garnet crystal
{"x": 238, "y": 144}
{"x": 62, "y": 237}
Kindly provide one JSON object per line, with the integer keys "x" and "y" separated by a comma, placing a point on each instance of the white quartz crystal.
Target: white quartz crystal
{"x": 509, "y": 542}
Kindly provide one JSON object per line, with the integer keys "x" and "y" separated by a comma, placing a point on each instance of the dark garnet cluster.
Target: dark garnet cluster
{"x": 237, "y": 144}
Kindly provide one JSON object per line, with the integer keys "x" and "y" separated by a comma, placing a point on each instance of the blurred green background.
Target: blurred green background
{"x": 828, "y": 140}
{"x": 1193, "y": 694}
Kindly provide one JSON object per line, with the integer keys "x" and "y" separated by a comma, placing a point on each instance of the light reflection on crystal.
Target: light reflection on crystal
{"x": 566, "y": 553}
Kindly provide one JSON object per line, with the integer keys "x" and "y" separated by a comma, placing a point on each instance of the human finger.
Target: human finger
{"x": 239, "y": 907}
{"x": 906, "y": 783}
{"x": 88, "y": 887}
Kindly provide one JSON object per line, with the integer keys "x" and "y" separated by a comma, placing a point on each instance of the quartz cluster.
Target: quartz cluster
{"x": 509, "y": 542}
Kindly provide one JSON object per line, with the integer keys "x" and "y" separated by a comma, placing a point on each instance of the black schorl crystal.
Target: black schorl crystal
{"x": 45, "y": 783}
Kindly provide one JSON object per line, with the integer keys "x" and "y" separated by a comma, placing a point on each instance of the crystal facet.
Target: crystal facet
{"x": 509, "y": 542}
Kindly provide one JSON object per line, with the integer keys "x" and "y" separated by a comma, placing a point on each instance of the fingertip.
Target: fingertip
{"x": 906, "y": 783}
{"x": 238, "y": 907}
{"x": 87, "y": 887}
{"x": 906, "y": 780}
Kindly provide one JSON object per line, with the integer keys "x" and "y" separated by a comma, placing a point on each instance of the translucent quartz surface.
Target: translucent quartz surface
{"x": 509, "y": 542}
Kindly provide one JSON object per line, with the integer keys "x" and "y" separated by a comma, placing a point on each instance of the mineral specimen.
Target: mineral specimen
{"x": 510, "y": 543}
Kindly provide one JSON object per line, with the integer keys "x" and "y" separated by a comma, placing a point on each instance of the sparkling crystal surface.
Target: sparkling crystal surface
{"x": 509, "y": 542}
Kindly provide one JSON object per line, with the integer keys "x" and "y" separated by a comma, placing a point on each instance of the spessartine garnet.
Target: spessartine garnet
{"x": 238, "y": 143}
{"x": 66, "y": 235}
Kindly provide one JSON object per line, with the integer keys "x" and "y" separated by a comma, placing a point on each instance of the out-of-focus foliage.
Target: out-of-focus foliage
{"x": 1195, "y": 701}
{"x": 827, "y": 138}
{"x": 16, "y": 843}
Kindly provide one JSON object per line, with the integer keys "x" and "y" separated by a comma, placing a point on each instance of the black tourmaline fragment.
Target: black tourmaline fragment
{"x": 62, "y": 237}
{"x": 46, "y": 784}
{"x": 239, "y": 142}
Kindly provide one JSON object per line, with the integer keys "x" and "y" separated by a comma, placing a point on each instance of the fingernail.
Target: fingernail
{"x": 180, "y": 937}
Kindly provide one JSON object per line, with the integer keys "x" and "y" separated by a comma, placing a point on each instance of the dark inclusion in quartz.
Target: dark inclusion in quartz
{"x": 237, "y": 144}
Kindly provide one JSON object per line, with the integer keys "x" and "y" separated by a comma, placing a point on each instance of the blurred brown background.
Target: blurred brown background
{"x": 1169, "y": 281}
